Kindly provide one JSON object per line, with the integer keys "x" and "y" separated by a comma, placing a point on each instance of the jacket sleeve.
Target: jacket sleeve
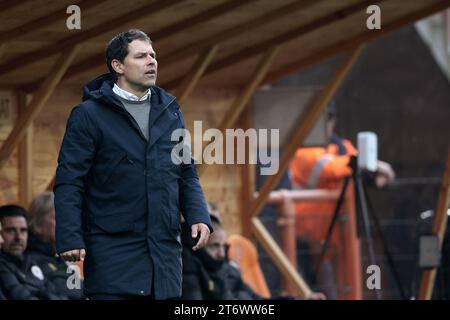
{"x": 192, "y": 200}
{"x": 74, "y": 162}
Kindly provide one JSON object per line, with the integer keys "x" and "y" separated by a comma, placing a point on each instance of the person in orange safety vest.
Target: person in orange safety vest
{"x": 326, "y": 168}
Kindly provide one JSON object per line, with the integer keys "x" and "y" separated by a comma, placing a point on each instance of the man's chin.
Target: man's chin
{"x": 16, "y": 252}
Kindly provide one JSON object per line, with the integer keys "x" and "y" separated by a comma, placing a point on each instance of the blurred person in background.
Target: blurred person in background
{"x": 20, "y": 277}
{"x": 41, "y": 247}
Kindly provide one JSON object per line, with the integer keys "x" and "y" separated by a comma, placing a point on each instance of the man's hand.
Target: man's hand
{"x": 385, "y": 174}
{"x": 73, "y": 255}
{"x": 203, "y": 230}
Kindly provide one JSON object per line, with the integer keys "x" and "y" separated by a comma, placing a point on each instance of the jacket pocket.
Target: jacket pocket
{"x": 112, "y": 165}
{"x": 115, "y": 223}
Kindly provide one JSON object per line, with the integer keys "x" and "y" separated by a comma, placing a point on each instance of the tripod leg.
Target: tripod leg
{"x": 366, "y": 223}
{"x": 332, "y": 223}
{"x": 385, "y": 247}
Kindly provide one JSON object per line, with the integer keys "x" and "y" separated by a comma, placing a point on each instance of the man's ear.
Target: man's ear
{"x": 117, "y": 66}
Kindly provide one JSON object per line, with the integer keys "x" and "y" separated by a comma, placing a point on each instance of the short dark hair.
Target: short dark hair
{"x": 40, "y": 207}
{"x": 212, "y": 205}
{"x": 215, "y": 220}
{"x": 12, "y": 210}
{"x": 117, "y": 48}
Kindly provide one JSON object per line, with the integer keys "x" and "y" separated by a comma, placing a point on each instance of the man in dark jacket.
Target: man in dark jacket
{"x": 118, "y": 194}
{"x": 41, "y": 248}
{"x": 20, "y": 277}
{"x": 209, "y": 275}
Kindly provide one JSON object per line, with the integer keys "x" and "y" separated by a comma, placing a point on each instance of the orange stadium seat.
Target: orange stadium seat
{"x": 243, "y": 252}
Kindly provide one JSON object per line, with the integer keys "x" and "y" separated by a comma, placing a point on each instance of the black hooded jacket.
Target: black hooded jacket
{"x": 22, "y": 279}
{"x": 54, "y": 268}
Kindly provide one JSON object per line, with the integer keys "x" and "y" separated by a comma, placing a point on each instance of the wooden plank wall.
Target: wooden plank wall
{"x": 221, "y": 183}
{"x": 48, "y": 130}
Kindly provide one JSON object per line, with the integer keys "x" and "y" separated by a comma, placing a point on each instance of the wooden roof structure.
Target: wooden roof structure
{"x": 221, "y": 43}
{"x": 33, "y": 34}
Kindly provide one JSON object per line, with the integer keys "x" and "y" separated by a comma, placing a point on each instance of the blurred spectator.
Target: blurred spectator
{"x": 20, "y": 277}
{"x": 41, "y": 248}
{"x": 213, "y": 209}
{"x": 326, "y": 168}
{"x": 207, "y": 273}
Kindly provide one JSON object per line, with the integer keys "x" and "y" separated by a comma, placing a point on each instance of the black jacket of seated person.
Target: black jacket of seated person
{"x": 22, "y": 279}
{"x": 54, "y": 268}
{"x": 205, "y": 278}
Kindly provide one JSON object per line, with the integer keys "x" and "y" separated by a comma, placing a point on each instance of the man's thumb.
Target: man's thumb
{"x": 82, "y": 254}
{"x": 194, "y": 229}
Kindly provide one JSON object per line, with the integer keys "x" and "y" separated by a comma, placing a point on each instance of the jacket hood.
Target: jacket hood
{"x": 92, "y": 88}
{"x": 100, "y": 89}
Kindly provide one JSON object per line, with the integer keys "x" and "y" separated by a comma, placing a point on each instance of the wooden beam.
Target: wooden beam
{"x": 280, "y": 39}
{"x": 341, "y": 46}
{"x": 244, "y": 97}
{"x": 39, "y": 100}
{"x": 439, "y": 225}
{"x": 247, "y": 174}
{"x": 99, "y": 59}
{"x": 8, "y": 4}
{"x": 32, "y": 26}
{"x": 304, "y": 125}
{"x": 50, "y": 50}
{"x": 279, "y": 258}
{"x": 25, "y": 158}
{"x": 2, "y": 49}
{"x": 238, "y": 30}
{"x": 196, "y": 72}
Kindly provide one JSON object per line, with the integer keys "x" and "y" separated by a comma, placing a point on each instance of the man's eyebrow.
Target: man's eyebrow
{"x": 144, "y": 52}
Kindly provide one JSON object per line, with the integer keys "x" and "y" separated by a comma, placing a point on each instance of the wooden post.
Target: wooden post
{"x": 25, "y": 161}
{"x": 39, "y": 100}
{"x": 439, "y": 225}
{"x": 304, "y": 126}
{"x": 196, "y": 72}
{"x": 247, "y": 93}
{"x": 277, "y": 255}
{"x": 247, "y": 183}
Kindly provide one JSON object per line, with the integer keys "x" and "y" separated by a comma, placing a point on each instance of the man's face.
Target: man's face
{"x": 216, "y": 246}
{"x": 139, "y": 68}
{"x": 15, "y": 235}
{"x": 47, "y": 228}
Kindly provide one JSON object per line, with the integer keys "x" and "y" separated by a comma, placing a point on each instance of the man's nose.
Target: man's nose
{"x": 221, "y": 253}
{"x": 151, "y": 60}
